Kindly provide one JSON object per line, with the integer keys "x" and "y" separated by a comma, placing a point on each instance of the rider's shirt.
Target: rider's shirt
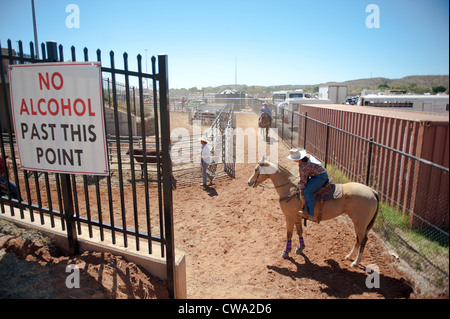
{"x": 308, "y": 169}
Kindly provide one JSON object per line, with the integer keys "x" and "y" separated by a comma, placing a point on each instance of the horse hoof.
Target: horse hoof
{"x": 299, "y": 250}
{"x": 285, "y": 254}
{"x": 354, "y": 264}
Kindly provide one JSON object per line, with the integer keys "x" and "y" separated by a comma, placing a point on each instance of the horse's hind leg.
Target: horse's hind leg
{"x": 361, "y": 250}
{"x": 361, "y": 239}
{"x": 353, "y": 252}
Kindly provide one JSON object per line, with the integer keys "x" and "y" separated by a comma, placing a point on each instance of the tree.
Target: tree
{"x": 439, "y": 88}
{"x": 383, "y": 86}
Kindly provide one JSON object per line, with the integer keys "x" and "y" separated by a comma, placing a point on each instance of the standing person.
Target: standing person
{"x": 312, "y": 177}
{"x": 12, "y": 186}
{"x": 204, "y": 162}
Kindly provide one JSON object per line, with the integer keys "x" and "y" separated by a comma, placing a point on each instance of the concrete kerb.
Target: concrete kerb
{"x": 151, "y": 262}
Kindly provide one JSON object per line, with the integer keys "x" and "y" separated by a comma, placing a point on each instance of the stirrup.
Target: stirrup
{"x": 319, "y": 217}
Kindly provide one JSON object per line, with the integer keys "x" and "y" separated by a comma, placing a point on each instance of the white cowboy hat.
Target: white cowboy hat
{"x": 203, "y": 139}
{"x": 296, "y": 154}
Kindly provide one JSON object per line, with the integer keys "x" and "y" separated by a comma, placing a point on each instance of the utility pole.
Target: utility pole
{"x": 36, "y": 44}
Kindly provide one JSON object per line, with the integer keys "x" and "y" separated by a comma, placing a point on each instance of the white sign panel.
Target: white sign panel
{"x": 58, "y": 117}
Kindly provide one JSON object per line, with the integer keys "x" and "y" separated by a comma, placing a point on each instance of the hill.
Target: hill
{"x": 414, "y": 84}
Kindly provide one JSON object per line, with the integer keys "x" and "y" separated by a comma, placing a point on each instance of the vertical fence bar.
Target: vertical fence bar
{"x": 158, "y": 158}
{"x": 131, "y": 147}
{"x": 167, "y": 172}
{"x": 119, "y": 158}
{"x": 369, "y": 157}
{"x": 144, "y": 150}
{"x": 304, "y": 134}
{"x": 326, "y": 144}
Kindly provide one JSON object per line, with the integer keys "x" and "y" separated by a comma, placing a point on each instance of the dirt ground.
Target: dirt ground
{"x": 233, "y": 236}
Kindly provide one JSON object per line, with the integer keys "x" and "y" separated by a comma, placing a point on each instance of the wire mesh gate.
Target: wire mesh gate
{"x": 105, "y": 204}
{"x": 222, "y": 140}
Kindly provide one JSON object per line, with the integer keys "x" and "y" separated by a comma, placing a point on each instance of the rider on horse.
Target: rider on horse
{"x": 265, "y": 109}
{"x": 312, "y": 177}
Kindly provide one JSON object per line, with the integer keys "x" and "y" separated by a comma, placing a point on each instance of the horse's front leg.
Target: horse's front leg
{"x": 289, "y": 231}
{"x": 301, "y": 244}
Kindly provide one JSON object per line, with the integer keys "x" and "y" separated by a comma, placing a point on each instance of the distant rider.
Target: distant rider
{"x": 266, "y": 109}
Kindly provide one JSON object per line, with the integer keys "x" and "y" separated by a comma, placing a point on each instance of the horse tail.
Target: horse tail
{"x": 377, "y": 196}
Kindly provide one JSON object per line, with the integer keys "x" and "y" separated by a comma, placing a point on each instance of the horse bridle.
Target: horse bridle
{"x": 259, "y": 173}
{"x": 261, "y": 164}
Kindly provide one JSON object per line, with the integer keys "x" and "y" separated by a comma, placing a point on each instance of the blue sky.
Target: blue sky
{"x": 274, "y": 42}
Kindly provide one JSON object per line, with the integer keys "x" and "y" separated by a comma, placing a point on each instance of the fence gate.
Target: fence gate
{"x": 222, "y": 141}
{"x": 129, "y": 208}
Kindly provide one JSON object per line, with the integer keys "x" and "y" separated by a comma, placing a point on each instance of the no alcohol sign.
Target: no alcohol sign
{"x": 58, "y": 117}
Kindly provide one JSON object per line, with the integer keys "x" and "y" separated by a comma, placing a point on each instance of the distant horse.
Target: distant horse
{"x": 264, "y": 122}
{"x": 151, "y": 157}
{"x": 359, "y": 201}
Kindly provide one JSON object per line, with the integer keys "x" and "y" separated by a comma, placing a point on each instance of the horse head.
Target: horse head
{"x": 262, "y": 171}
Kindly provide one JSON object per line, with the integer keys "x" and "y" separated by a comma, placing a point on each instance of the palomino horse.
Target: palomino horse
{"x": 359, "y": 201}
{"x": 264, "y": 123}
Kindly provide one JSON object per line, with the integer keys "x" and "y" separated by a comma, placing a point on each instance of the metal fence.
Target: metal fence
{"x": 119, "y": 203}
{"x": 184, "y": 150}
{"x": 413, "y": 215}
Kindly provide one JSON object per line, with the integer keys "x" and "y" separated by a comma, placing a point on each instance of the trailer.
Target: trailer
{"x": 423, "y": 103}
{"x": 336, "y": 93}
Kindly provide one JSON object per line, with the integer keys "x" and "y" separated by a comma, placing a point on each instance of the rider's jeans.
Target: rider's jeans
{"x": 313, "y": 185}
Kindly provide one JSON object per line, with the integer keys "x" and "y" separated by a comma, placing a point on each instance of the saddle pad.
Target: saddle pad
{"x": 334, "y": 191}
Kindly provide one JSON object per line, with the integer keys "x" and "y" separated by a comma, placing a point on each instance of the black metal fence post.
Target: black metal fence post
{"x": 167, "y": 172}
{"x": 326, "y": 144}
{"x": 292, "y": 128}
{"x": 304, "y": 135}
{"x": 368, "y": 161}
{"x": 66, "y": 188}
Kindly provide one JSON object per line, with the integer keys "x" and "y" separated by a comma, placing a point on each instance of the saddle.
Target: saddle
{"x": 327, "y": 192}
